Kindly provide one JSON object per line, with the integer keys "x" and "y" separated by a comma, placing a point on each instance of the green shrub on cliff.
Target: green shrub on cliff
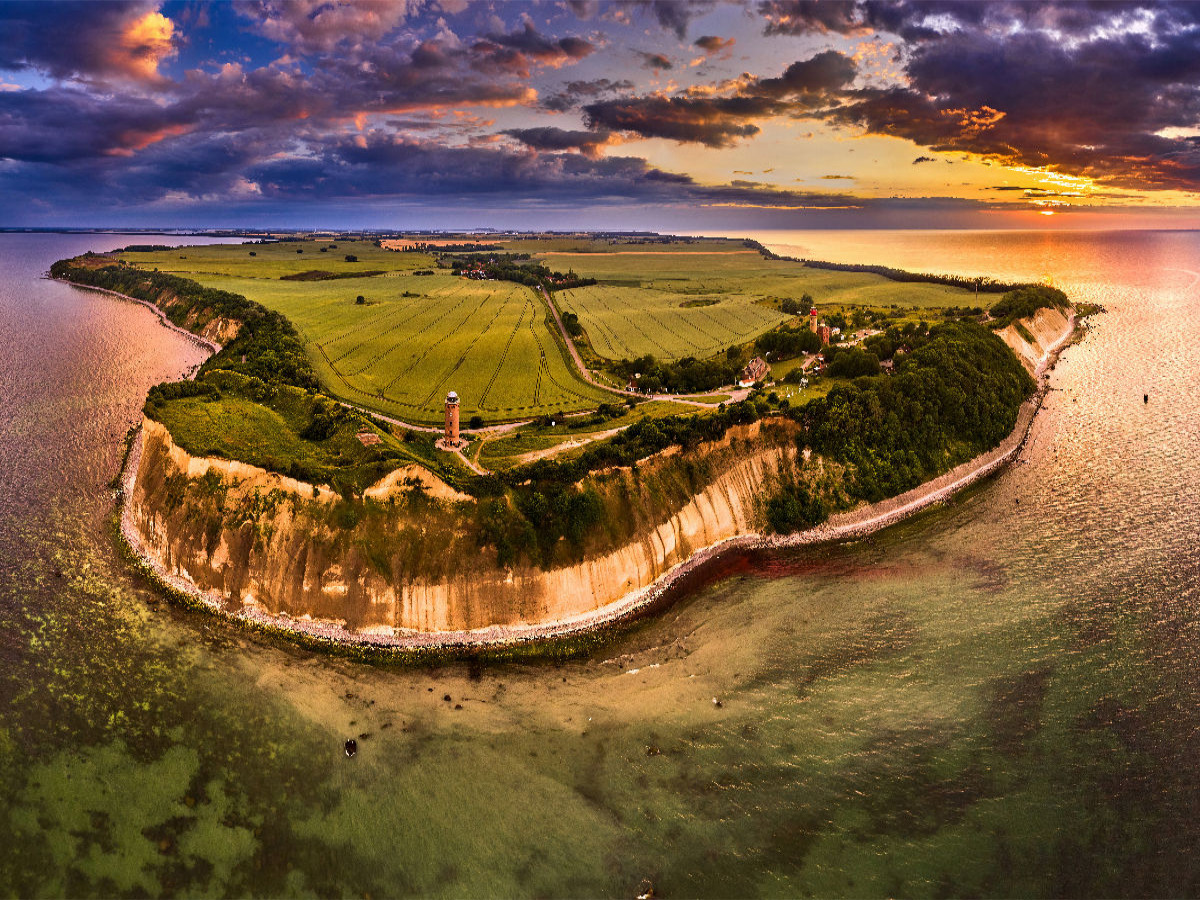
{"x": 1024, "y": 302}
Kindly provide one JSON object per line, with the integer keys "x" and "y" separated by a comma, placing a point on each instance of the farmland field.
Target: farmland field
{"x": 413, "y": 340}
{"x": 675, "y": 305}
{"x": 422, "y": 332}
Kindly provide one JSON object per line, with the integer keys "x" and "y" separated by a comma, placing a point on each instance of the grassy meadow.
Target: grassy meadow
{"x": 275, "y": 433}
{"x": 413, "y": 339}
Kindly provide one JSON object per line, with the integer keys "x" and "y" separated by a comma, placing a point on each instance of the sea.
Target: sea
{"x": 998, "y": 697}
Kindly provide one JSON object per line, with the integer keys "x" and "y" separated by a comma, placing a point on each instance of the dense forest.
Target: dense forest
{"x": 683, "y": 376}
{"x": 954, "y": 395}
{"x": 1024, "y": 302}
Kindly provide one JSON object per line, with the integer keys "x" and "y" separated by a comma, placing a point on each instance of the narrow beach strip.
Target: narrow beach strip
{"x": 195, "y": 338}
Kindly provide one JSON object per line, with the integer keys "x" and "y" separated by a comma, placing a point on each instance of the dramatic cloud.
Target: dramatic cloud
{"x": 588, "y": 143}
{"x": 124, "y": 40}
{"x": 1100, "y": 105}
{"x": 712, "y": 121}
{"x": 575, "y": 92}
{"x": 717, "y": 121}
{"x": 141, "y": 102}
{"x": 321, "y": 26}
{"x": 526, "y": 46}
{"x": 710, "y": 43}
{"x": 825, "y": 72}
{"x": 656, "y": 61}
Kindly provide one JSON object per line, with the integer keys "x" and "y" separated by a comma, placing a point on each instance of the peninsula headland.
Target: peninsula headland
{"x": 624, "y": 408}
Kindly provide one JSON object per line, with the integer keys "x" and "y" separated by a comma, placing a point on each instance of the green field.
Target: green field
{"x": 671, "y": 305}
{"x": 413, "y": 340}
{"x": 417, "y": 337}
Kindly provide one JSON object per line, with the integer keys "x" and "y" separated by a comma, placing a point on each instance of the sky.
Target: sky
{"x": 623, "y": 115}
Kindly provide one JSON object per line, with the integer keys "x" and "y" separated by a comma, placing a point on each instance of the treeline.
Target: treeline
{"x": 984, "y": 285}
{"x": 423, "y": 247}
{"x": 683, "y": 376}
{"x": 1025, "y": 302}
{"x": 267, "y": 346}
{"x": 515, "y": 267}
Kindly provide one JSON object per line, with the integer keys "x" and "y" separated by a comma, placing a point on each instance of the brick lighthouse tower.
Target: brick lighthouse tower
{"x": 452, "y": 418}
{"x": 451, "y": 440}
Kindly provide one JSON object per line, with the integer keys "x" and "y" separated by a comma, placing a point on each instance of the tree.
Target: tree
{"x": 476, "y": 422}
{"x": 360, "y": 299}
{"x": 350, "y": 257}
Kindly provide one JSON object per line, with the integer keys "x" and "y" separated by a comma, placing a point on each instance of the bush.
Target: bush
{"x": 1024, "y": 302}
{"x": 350, "y": 257}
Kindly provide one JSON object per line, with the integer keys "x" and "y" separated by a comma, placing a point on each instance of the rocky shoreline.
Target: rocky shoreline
{"x": 845, "y": 526}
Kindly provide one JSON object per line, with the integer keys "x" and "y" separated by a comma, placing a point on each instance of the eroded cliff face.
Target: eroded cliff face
{"x": 1046, "y": 327}
{"x": 255, "y": 540}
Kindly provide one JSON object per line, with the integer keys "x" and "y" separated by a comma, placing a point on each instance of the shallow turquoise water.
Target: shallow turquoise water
{"x": 995, "y": 698}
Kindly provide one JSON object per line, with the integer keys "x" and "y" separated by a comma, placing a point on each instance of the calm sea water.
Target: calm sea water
{"x": 999, "y": 697}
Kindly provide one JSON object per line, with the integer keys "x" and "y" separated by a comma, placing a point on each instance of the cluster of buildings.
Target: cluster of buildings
{"x": 820, "y": 329}
{"x": 476, "y": 272}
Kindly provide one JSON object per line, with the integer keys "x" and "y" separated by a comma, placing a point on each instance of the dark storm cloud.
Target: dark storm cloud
{"x": 813, "y": 16}
{"x": 1088, "y": 88}
{"x": 528, "y": 43}
{"x": 720, "y": 121}
{"x": 656, "y": 61}
{"x": 827, "y": 71}
{"x": 712, "y": 121}
{"x": 558, "y": 139}
{"x": 1093, "y": 106}
{"x": 378, "y": 165}
{"x": 574, "y": 92}
{"x": 92, "y": 40}
{"x": 67, "y": 124}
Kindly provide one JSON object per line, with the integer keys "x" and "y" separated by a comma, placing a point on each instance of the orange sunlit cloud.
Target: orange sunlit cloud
{"x": 146, "y": 43}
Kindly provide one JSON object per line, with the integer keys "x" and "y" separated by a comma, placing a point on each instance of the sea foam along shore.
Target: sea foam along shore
{"x": 850, "y": 525}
